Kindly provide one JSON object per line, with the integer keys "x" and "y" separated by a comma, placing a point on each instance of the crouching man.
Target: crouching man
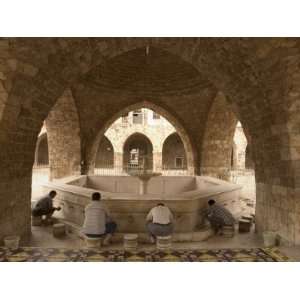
{"x": 97, "y": 222}
{"x": 218, "y": 216}
{"x": 44, "y": 206}
{"x": 159, "y": 221}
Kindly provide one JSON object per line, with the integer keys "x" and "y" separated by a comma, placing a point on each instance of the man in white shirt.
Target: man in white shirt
{"x": 159, "y": 221}
{"x": 97, "y": 222}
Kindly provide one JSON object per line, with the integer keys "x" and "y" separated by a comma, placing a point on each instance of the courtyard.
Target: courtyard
{"x": 143, "y": 120}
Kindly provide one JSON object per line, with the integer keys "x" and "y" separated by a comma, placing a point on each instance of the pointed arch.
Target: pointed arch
{"x": 188, "y": 146}
{"x": 138, "y": 152}
{"x": 105, "y": 154}
{"x": 173, "y": 153}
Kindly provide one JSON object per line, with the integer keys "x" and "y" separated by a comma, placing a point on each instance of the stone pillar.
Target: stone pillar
{"x": 118, "y": 161}
{"x": 157, "y": 161}
{"x": 64, "y": 139}
{"x": 15, "y": 212}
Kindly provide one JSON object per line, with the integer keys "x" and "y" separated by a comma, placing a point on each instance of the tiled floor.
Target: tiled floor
{"x": 30, "y": 254}
{"x": 42, "y": 237}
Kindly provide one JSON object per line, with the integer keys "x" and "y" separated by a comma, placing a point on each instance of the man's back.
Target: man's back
{"x": 219, "y": 212}
{"x": 44, "y": 203}
{"x": 95, "y": 218}
{"x": 160, "y": 215}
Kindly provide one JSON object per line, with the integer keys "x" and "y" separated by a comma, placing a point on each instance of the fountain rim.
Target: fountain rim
{"x": 193, "y": 195}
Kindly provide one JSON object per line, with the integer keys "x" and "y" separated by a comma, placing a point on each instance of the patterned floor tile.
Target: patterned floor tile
{"x": 27, "y": 254}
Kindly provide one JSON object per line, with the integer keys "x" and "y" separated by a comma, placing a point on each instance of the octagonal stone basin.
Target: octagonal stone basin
{"x": 186, "y": 196}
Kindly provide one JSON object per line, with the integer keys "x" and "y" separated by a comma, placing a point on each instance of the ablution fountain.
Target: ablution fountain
{"x": 131, "y": 195}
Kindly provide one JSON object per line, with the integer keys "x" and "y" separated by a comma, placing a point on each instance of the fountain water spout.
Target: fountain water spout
{"x": 144, "y": 175}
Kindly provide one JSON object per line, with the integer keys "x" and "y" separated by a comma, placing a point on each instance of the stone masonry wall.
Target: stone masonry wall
{"x": 218, "y": 140}
{"x": 64, "y": 141}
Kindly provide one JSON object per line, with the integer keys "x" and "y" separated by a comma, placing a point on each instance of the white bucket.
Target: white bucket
{"x": 269, "y": 238}
{"x": 12, "y": 241}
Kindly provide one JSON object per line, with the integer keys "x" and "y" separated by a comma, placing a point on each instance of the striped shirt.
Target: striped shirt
{"x": 96, "y": 216}
{"x": 219, "y": 214}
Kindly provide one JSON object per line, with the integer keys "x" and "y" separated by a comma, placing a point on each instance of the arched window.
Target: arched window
{"x": 138, "y": 152}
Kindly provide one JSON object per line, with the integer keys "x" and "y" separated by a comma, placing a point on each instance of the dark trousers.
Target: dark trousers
{"x": 42, "y": 212}
{"x": 110, "y": 228}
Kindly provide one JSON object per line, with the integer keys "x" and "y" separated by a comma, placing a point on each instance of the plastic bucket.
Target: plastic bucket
{"x": 12, "y": 241}
{"x": 269, "y": 238}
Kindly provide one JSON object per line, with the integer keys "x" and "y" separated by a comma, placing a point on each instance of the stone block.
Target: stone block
{"x": 244, "y": 225}
{"x": 130, "y": 241}
{"x": 164, "y": 242}
{"x": 93, "y": 243}
{"x": 59, "y": 230}
{"x": 249, "y": 218}
{"x": 228, "y": 231}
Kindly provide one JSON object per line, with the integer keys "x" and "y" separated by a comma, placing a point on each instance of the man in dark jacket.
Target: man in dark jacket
{"x": 44, "y": 206}
{"x": 219, "y": 216}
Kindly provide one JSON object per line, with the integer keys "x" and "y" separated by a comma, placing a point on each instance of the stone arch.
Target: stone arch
{"x": 38, "y": 75}
{"x": 137, "y": 152}
{"x": 173, "y": 149}
{"x": 189, "y": 148}
{"x": 42, "y": 151}
{"x": 105, "y": 154}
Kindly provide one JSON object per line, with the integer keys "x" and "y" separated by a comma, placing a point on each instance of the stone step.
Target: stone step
{"x": 249, "y": 218}
{"x": 59, "y": 230}
{"x": 244, "y": 225}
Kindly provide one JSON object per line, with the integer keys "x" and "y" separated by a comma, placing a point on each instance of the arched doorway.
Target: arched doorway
{"x": 173, "y": 153}
{"x": 137, "y": 153}
{"x": 124, "y": 117}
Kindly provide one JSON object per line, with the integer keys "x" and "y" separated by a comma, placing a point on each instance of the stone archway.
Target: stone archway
{"x": 190, "y": 151}
{"x": 137, "y": 153}
{"x": 173, "y": 153}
